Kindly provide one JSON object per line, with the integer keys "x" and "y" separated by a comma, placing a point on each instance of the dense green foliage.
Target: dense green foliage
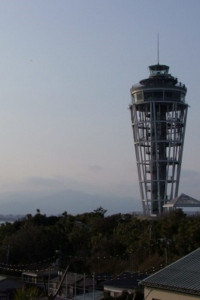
{"x": 92, "y": 242}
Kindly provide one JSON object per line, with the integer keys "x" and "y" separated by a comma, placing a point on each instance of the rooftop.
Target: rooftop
{"x": 181, "y": 276}
{"x": 183, "y": 201}
{"x": 125, "y": 280}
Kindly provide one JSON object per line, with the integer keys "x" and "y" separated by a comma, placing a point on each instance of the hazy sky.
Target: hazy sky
{"x": 66, "y": 69}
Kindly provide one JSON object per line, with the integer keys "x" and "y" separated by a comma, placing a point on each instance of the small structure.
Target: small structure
{"x": 180, "y": 280}
{"x": 125, "y": 282}
{"x": 74, "y": 285}
{"x": 38, "y": 277}
{"x": 182, "y": 201}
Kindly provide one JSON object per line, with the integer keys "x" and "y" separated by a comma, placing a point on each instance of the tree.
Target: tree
{"x": 28, "y": 294}
{"x": 100, "y": 211}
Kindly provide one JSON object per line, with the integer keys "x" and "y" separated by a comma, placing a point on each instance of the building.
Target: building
{"x": 158, "y": 114}
{"x": 74, "y": 285}
{"x": 38, "y": 277}
{"x": 182, "y": 201}
{"x": 180, "y": 280}
{"x": 125, "y": 282}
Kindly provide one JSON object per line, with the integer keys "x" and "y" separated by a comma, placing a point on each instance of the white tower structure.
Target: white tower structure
{"x": 158, "y": 114}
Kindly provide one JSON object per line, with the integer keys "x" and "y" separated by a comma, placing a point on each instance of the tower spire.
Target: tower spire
{"x": 158, "y": 48}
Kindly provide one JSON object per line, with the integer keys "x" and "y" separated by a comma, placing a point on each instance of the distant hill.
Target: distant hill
{"x": 56, "y": 202}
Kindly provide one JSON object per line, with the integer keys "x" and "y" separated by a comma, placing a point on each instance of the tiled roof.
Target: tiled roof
{"x": 182, "y": 275}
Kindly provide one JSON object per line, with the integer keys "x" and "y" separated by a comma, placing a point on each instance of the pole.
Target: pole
{"x": 48, "y": 280}
{"x": 66, "y": 285}
{"x": 93, "y": 286}
{"x": 8, "y": 253}
{"x": 75, "y": 286}
{"x": 84, "y": 286}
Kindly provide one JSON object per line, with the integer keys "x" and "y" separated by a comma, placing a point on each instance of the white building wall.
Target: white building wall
{"x": 156, "y": 294}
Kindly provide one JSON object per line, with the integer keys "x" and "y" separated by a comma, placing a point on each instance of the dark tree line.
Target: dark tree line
{"x": 92, "y": 242}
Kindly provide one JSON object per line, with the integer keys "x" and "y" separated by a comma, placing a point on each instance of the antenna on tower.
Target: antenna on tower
{"x": 158, "y": 48}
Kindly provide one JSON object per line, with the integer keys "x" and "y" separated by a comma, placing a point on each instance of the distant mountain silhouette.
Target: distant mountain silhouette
{"x": 57, "y": 202}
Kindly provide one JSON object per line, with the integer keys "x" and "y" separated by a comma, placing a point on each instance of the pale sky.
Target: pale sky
{"x": 66, "y": 69}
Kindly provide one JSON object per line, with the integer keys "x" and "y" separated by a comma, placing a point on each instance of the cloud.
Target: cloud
{"x": 188, "y": 174}
{"x": 95, "y": 168}
{"x": 44, "y": 181}
{"x": 189, "y": 183}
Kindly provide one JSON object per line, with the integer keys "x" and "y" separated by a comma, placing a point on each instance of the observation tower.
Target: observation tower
{"x": 158, "y": 113}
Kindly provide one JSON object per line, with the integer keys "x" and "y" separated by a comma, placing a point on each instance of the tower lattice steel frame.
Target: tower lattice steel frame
{"x": 158, "y": 114}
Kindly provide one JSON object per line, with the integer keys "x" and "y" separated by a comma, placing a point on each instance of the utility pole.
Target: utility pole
{"x": 8, "y": 254}
{"x": 51, "y": 296}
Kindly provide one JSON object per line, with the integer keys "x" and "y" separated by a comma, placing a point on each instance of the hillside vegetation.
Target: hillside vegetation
{"x": 95, "y": 243}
